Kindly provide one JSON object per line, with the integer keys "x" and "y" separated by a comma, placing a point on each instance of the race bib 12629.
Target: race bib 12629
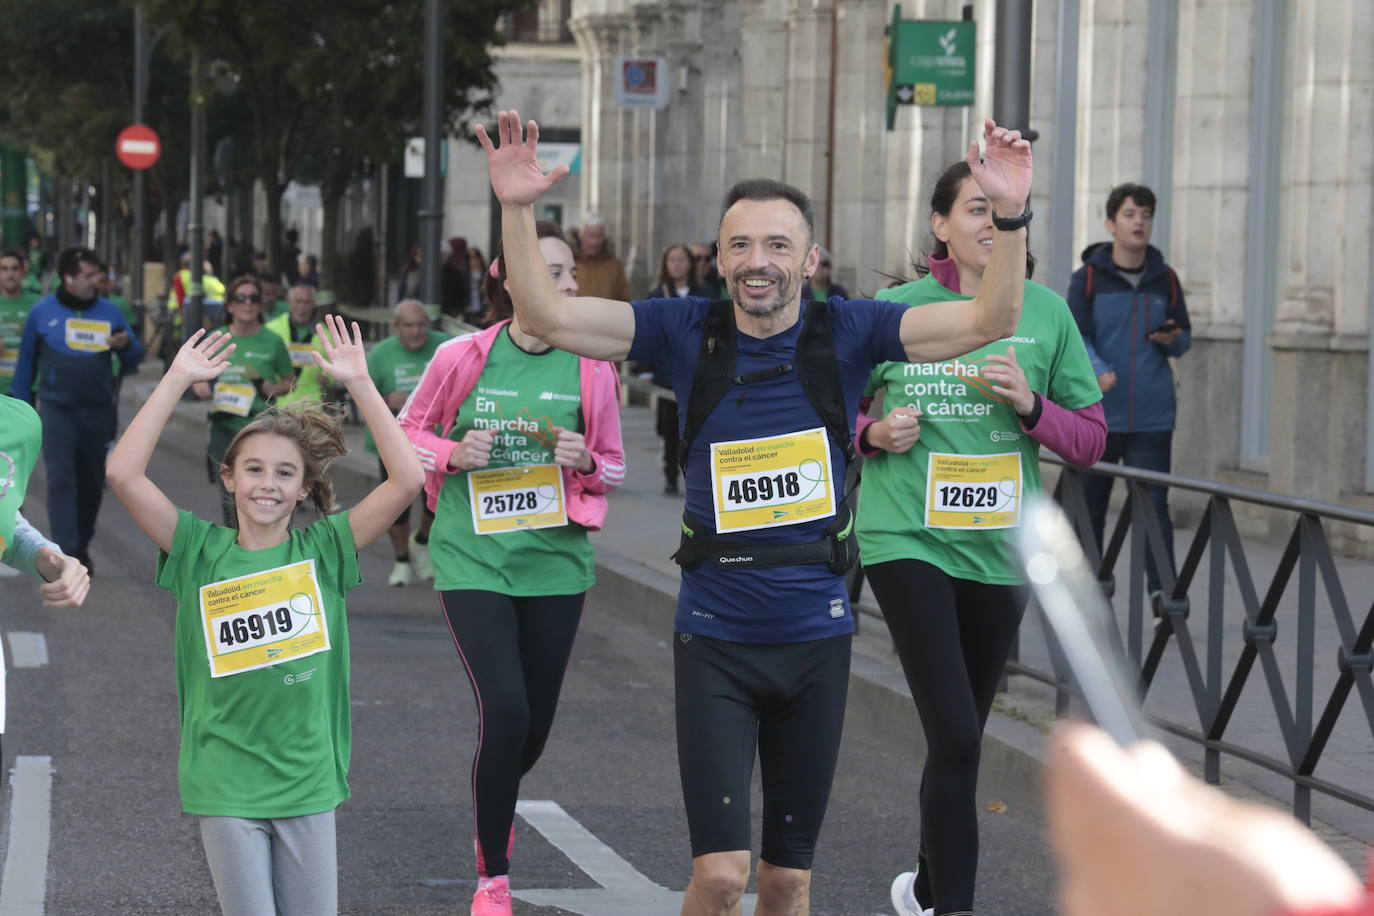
{"x": 771, "y": 482}
{"x": 973, "y": 491}
{"x": 263, "y": 619}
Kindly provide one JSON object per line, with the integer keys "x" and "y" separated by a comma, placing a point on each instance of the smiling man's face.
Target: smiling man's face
{"x": 765, "y": 254}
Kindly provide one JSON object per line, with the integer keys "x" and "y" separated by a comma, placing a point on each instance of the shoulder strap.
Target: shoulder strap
{"x": 713, "y": 377}
{"x": 819, "y": 371}
{"x": 1173, "y": 289}
{"x": 1088, "y": 286}
{"x": 815, "y": 364}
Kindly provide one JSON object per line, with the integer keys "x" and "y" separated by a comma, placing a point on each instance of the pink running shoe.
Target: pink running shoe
{"x": 492, "y": 897}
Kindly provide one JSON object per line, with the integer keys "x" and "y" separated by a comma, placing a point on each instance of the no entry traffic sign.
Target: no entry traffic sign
{"x": 137, "y": 146}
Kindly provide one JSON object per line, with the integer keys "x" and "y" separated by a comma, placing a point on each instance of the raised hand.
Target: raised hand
{"x": 1004, "y": 171}
{"x": 344, "y": 358}
{"x": 203, "y": 360}
{"x": 512, "y": 165}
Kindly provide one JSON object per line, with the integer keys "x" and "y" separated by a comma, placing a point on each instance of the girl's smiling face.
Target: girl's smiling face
{"x": 267, "y": 480}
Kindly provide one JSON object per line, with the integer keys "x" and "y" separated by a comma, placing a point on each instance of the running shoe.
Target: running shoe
{"x": 492, "y": 897}
{"x": 904, "y": 896}
{"x": 400, "y": 574}
{"x": 419, "y": 559}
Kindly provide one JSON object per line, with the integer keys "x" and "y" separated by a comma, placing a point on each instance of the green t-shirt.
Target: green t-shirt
{"x": 21, "y": 436}
{"x": 273, "y": 741}
{"x": 258, "y": 356}
{"x": 524, "y": 396}
{"x": 394, "y": 368}
{"x": 961, "y": 417}
{"x": 12, "y": 315}
{"x": 127, "y": 311}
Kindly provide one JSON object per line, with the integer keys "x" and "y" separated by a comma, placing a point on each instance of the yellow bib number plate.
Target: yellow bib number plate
{"x": 517, "y": 499}
{"x": 771, "y": 482}
{"x": 88, "y": 336}
{"x": 9, "y": 360}
{"x": 974, "y": 491}
{"x": 263, "y": 619}
{"x": 233, "y": 399}
{"x": 300, "y": 354}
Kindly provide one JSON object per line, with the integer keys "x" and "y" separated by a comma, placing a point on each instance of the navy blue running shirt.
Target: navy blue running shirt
{"x": 786, "y": 603}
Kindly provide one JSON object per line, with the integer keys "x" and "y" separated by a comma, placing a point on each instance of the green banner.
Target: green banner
{"x": 930, "y": 63}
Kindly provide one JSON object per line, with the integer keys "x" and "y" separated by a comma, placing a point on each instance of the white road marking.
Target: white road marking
{"x": 624, "y": 891}
{"x": 24, "y": 887}
{"x": 28, "y": 650}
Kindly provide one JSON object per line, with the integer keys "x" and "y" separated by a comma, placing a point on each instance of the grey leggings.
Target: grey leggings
{"x": 281, "y": 867}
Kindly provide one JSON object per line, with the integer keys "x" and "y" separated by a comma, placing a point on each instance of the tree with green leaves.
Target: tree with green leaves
{"x": 333, "y": 86}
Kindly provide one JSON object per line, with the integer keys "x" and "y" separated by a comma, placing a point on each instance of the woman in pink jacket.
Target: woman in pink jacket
{"x": 530, "y": 448}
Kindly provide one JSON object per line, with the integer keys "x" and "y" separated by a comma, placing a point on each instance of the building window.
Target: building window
{"x": 545, "y": 23}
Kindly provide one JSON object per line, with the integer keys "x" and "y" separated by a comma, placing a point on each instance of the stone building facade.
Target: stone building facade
{"x": 1275, "y": 261}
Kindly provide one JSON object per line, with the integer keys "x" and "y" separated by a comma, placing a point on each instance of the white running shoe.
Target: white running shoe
{"x": 419, "y": 559}
{"x": 400, "y": 574}
{"x": 904, "y": 896}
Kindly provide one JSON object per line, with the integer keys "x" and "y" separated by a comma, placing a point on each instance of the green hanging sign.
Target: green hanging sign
{"x": 929, "y": 63}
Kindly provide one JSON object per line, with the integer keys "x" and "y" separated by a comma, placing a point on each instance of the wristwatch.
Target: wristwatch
{"x": 1015, "y": 222}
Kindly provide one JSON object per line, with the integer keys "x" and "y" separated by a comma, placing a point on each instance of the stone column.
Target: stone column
{"x": 1320, "y": 337}
{"x": 763, "y": 93}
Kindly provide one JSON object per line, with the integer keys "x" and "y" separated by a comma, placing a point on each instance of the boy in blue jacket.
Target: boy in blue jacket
{"x": 1130, "y": 309}
{"x": 66, "y": 353}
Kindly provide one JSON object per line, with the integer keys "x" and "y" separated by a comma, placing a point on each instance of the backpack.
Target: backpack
{"x": 819, "y": 372}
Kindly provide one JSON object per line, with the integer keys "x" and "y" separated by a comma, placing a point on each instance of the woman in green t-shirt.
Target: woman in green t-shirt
{"x": 530, "y": 446}
{"x": 259, "y": 369}
{"x": 950, "y": 466}
{"x": 261, "y": 629}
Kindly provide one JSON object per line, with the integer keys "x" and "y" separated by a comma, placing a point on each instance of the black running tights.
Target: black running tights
{"x": 953, "y": 637}
{"x": 515, "y": 651}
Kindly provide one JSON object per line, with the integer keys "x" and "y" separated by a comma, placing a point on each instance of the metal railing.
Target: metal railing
{"x": 1215, "y": 692}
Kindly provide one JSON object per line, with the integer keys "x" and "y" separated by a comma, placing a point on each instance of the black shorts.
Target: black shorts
{"x": 784, "y": 700}
{"x": 404, "y": 517}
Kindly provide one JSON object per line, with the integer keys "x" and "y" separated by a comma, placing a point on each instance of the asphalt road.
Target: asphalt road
{"x": 104, "y": 710}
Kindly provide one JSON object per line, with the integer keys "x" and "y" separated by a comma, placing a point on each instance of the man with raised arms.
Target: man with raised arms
{"x": 766, "y": 389}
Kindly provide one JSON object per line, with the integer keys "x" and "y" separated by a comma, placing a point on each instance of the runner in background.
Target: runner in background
{"x": 530, "y": 446}
{"x": 261, "y": 631}
{"x": 297, "y": 330}
{"x": 15, "y": 303}
{"x": 256, "y": 370}
{"x": 396, "y": 365}
{"x": 950, "y": 466}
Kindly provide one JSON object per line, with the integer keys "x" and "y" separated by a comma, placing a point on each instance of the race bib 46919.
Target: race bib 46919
{"x": 263, "y": 619}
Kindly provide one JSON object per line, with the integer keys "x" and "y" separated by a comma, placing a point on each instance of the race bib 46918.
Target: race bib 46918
{"x": 771, "y": 482}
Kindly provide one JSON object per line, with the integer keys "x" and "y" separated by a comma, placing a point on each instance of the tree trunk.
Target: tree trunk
{"x": 332, "y": 190}
{"x": 171, "y": 203}
{"x": 273, "y": 190}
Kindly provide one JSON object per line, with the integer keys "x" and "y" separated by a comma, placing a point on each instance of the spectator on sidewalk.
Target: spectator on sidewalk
{"x": 704, "y": 263}
{"x": 819, "y": 286}
{"x": 600, "y": 274}
{"x": 676, "y": 279}
{"x": 1130, "y": 309}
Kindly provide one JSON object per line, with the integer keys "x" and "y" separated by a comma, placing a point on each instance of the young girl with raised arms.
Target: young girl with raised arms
{"x": 261, "y": 634}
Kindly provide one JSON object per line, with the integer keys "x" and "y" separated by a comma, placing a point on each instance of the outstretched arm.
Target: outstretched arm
{"x": 941, "y": 330}
{"x": 199, "y": 360}
{"x": 345, "y": 360}
{"x": 595, "y": 328}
